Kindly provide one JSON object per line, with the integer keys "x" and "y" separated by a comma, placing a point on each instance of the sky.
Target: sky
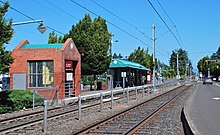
{"x": 194, "y": 23}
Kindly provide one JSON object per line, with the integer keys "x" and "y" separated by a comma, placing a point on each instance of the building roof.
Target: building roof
{"x": 41, "y": 46}
{"x": 122, "y": 63}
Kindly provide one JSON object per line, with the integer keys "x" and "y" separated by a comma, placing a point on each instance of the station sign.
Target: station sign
{"x": 69, "y": 76}
{"x": 123, "y": 74}
{"x": 69, "y": 65}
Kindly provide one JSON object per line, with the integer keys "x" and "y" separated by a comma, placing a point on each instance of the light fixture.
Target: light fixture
{"x": 42, "y": 28}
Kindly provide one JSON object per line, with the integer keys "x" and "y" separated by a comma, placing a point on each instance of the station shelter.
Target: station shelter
{"x": 135, "y": 73}
{"x": 53, "y": 70}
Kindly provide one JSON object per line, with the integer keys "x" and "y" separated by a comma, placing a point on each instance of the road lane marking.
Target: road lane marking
{"x": 217, "y": 98}
{"x": 217, "y": 85}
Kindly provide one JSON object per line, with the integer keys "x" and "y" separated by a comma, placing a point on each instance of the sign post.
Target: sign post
{"x": 123, "y": 75}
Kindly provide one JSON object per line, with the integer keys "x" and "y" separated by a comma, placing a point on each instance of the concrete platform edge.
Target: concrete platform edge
{"x": 192, "y": 127}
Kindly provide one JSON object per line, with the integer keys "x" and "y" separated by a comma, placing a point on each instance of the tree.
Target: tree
{"x": 6, "y": 33}
{"x": 92, "y": 37}
{"x": 202, "y": 65}
{"x": 142, "y": 57}
{"x": 212, "y": 63}
{"x": 53, "y": 38}
{"x": 168, "y": 73}
{"x": 115, "y": 56}
{"x": 60, "y": 39}
{"x": 183, "y": 61}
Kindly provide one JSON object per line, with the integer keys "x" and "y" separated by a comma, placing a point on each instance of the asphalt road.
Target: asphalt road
{"x": 205, "y": 109}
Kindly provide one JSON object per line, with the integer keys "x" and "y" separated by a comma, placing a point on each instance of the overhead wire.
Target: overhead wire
{"x": 51, "y": 10}
{"x": 54, "y": 5}
{"x": 122, "y": 20}
{"x": 111, "y": 23}
{"x": 135, "y": 27}
{"x": 115, "y": 25}
{"x": 32, "y": 18}
{"x": 165, "y": 23}
{"x": 171, "y": 22}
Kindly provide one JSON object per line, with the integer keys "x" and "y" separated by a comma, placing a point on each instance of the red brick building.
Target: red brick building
{"x": 54, "y": 70}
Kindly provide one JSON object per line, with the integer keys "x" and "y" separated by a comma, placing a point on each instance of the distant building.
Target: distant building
{"x": 135, "y": 73}
{"x": 54, "y": 70}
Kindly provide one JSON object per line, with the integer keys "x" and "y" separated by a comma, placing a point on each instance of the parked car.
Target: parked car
{"x": 207, "y": 80}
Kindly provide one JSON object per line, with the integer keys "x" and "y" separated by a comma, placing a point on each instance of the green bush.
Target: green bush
{"x": 18, "y": 99}
{"x": 181, "y": 78}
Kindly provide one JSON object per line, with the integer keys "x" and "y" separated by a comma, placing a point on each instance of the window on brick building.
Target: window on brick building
{"x": 40, "y": 74}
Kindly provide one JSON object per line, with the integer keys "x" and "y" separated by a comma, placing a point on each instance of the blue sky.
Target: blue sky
{"x": 197, "y": 21}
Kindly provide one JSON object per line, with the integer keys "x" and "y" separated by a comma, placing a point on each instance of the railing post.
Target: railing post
{"x": 112, "y": 96}
{"x": 128, "y": 95}
{"x": 136, "y": 92}
{"x": 79, "y": 107}
{"x": 33, "y": 99}
{"x": 101, "y": 101}
{"x": 45, "y": 116}
{"x": 69, "y": 89}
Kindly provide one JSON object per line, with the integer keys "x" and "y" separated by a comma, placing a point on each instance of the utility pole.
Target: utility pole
{"x": 186, "y": 71}
{"x": 208, "y": 72}
{"x": 111, "y": 42}
{"x": 190, "y": 73}
{"x": 153, "y": 39}
{"x": 177, "y": 65}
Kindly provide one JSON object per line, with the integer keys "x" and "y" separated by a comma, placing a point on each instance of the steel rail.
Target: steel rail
{"x": 38, "y": 120}
{"x": 103, "y": 122}
{"x": 137, "y": 126}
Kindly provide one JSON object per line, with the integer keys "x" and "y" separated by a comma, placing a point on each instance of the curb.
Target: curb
{"x": 190, "y": 128}
{"x": 188, "y": 118}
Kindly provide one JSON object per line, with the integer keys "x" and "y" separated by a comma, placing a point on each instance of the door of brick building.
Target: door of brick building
{"x": 19, "y": 81}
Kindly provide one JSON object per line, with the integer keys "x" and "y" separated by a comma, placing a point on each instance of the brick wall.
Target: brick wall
{"x": 22, "y": 56}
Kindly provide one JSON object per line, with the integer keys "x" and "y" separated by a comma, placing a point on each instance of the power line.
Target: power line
{"x": 115, "y": 26}
{"x": 135, "y": 27}
{"x": 200, "y": 52}
{"x": 112, "y": 24}
{"x": 171, "y": 22}
{"x": 51, "y": 10}
{"x": 62, "y": 10}
{"x": 122, "y": 20}
{"x": 164, "y": 23}
{"x": 31, "y": 18}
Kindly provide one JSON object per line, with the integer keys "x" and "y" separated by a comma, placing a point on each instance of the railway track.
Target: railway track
{"x": 16, "y": 123}
{"x": 129, "y": 120}
{"x": 34, "y": 120}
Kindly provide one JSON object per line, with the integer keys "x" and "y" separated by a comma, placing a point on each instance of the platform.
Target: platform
{"x": 202, "y": 110}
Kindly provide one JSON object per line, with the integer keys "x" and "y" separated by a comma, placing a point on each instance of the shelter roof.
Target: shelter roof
{"x": 123, "y": 63}
{"x": 42, "y": 46}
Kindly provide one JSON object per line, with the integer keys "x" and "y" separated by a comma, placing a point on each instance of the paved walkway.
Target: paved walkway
{"x": 203, "y": 110}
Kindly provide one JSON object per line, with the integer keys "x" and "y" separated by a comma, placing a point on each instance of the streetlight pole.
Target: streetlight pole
{"x": 153, "y": 39}
{"x": 111, "y": 42}
{"x": 40, "y": 28}
{"x": 27, "y": 22}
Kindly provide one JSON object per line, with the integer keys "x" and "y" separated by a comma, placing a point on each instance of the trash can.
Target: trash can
{"x": 99, "y": 85}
